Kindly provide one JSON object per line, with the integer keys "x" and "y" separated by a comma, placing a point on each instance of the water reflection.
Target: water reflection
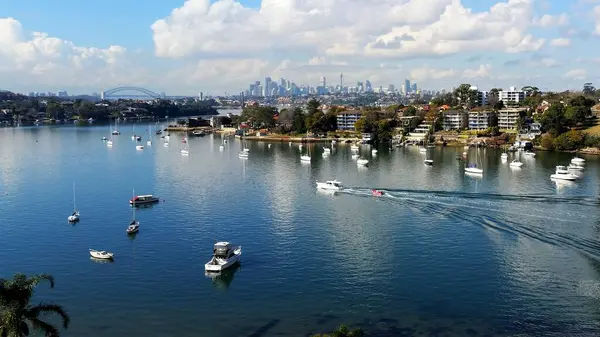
{"x": 222, "y": 280}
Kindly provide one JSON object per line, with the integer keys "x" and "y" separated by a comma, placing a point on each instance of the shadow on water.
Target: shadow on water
{"x": 223, "y": 279}
{"x": 265, "y": 328}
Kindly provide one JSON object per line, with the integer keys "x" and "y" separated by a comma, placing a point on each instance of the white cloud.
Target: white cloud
{"x": 552, "y": 20}
{"x": 42, "y": 59}
{"x": 399, "y": 29}
{"x": 548, "y": 62}
{"x": 596, "y": 13}
{"x": 484, "y": 71}
{"x": 560, "y": 42}
{"x": 575, "y": 74}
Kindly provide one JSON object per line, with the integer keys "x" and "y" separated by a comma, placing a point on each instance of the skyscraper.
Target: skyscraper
{"x": 267, "y": 87}
{"x": 406, "y": 85}
{"x": 341, "y": 82}
{"x": 414, "y": 88}
{"x": 323, "y": 82}
{"x": 368, "y": 86}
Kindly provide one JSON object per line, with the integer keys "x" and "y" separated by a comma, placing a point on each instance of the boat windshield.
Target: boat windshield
{"x": 472, "y": 165}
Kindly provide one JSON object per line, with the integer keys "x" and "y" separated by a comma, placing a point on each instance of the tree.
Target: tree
{"x": 343, "y": 331}
{"x": 588, "y": 89}
{"x": 466, "y": 96}
{"x": 260, "y": 116}
{"x": 17, "y": 316}
{"x": 312, "y": 107}
{"x": 553, "y": 120}
{"x": 570, "y": 141}
{"x": 494, "y": 97}
{"x": 575, "y": 115}
{"x": 410, "y": 111}
{"x": 530, "y": 90}
{"x": 299, "y": 124}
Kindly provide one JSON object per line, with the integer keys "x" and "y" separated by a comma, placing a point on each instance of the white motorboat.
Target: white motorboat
{"x": 530, "y": 154}
{"x": 116, "y": 132}
{"x": 575, "y": 167}
{"x": 325, "y": 154}
{"x": 269, "y": 146}
{"x": 562, "y": 173}
{"x": 362, "y": 162}
{"x": 224, "y": 256}
{"x": 578, "y": 161}
{"x": 109, "y": 143}
{"x": 300, "y": 147}
{"x": 101, "y": 254}
{"x": 428, "y": 162}
{"x": 355, "y": 156}
{"x": 75, "y": 216}
{"x": 305, "y": 158}
{"x": 423, "y": 149}
{"x": 138, "y": 138}
{"x": 149, "y": 143}
{"x": 133, "y": 227}
{"x": 139, "y": 147}
{"x": 326, "y": 150}
{"x": 166, "y": 144}
{"x": 133, "y": 137}
{"x": 516, "y": 163}
{"x": 332, "y": 185}
{"x": 374, "y": 151}
{"x": 243, "y": 154}
{"x": 504, "y": 156}
{"x": 168, "y": 137}
{"x": 104, "y": 138}
{"x": 473, "y": 169}
{"x": 221, "y": 148}
{"x": 185, "y": 152}
{"x": 354, "y": 147}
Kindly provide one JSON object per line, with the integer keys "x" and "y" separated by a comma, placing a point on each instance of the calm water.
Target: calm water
{"x": 441, "y": 254}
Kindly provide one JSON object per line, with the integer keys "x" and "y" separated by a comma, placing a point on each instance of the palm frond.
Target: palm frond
{"x": 48, "y": 329}
{"x": 48, "y": 308}
{"x": 37, "y": 279}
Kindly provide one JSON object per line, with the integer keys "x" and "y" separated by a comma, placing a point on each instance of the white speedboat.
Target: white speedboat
{"x": 243, "y": 154}
{"x": 139, "y": 147}
{"x": 562, "y": 173}
{"x": 332, "y": 185}
{"x": 578, "y": 161}
{"x": 575, "y": 167}
{"x": 74, "y": 217}
{"x": 305, "y": 158}
{"x": 185, "y": 152}
{"x": 224, "y": 256}
{"x": 269, "y": 146}
{"x": 101, "y": 254}
{"x": 428, "y": 162}
{"x": 133, "y": 227}
{"x": 138, "y": 138}
{"x": 362, "y": 162}
{"x": 473, "y": 169}
{"x": 516, "y": 163}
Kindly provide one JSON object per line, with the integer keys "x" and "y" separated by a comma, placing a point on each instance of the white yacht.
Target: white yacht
{"x": 355, "y": 156}
{"x": 305, "y": 158}
{"x": 578, "y": 161}
{"x": 575, "y": 167}
{"x": 362, "y": 162}
{"x": 243, "y": 154}
{"x": 225, "y": 255}
{"x": 166, "y": 144}
{"x": 109, "y": 143}
{"x": 332, "y": 185}
{"x": 516, "y": 163}
{"x": 101, "y": 254}
{"x": 563, "y": 174}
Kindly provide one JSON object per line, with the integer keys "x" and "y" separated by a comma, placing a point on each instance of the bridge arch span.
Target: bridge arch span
{"x": 112, "y": 92}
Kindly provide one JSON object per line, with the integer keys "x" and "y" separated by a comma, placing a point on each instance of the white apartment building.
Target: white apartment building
{"x": 480, "y": 120}
{"x": 347, "y": 119}
{"x": 420, "y": 132}
{"x": 508, "y": 118}
{"x": 455, "y": 120}
{"x": 512, "y": 96}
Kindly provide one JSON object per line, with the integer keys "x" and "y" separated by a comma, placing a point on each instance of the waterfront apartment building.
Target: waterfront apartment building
{"x": 347, "y": 119}
{"x": 508, "y": 118}
{"x": 480, "y": 120}
{"x": 455, "y": 120}
{"x": 512, "y": 96}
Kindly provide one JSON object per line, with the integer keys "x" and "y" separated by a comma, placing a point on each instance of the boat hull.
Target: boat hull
{"x": 100, "y": 256}
{"x": 73, "y": 218}
{"x": 325, "y": 186}
{"x": 474, "y": 170}
{"x": 215, "y": 268}
{"x": 569, "y": 177}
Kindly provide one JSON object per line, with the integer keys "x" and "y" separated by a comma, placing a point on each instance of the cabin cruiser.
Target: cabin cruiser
{"x": 563, "y": 174}
{"x": 333, "y": 185}
{"x": 134, "y": 227}
{"x": 143, "y": 200}
{"x": 428, "y": 162}
{"x": 225, "y": 255}
{"x": 473, "y": 169}
{"x": 101, "y": 254}
{"x": 578, "y": 161}
{"x": 243, "y": 154}
{"x": 74, "y": 217}
{"x": 116, "y": 132}
{"x": 575, "y": 167}
{"x": 377, "y": 193}
{"x": 362, "y": 162}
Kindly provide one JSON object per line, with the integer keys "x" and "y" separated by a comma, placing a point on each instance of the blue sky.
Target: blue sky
{"x": 552, "y": 43}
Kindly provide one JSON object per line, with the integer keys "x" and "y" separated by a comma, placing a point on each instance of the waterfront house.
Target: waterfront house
{"x": 454, "y": 120}
{"x": 480, "y": 120}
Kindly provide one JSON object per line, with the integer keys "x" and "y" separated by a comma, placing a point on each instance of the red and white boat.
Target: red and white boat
{"x": 377, "y": 193}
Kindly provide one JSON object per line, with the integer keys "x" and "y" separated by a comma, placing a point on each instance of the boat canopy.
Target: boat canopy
{"x": 222, "y": 248}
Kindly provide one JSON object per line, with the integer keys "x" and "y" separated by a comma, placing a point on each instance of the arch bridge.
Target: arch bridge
{"x": 111, "y": 92}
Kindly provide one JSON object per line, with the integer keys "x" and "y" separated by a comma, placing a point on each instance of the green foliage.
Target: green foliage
{"x": 547, "y": 142}
{"x": 312, "y": 107}
{"x": 553, "y": 120}
{"x": 465, "y": 96}
{"x": 372, "y": 122}
{"x": 17, "y": 317}
{"x": 259, "y": 116}
{"x": 592, "y": 141}
{"x": 410, "y": 111}
{"x": 445, "y": 99}
{"x": 343, "y": 331}
{"x": 570, "y": 141}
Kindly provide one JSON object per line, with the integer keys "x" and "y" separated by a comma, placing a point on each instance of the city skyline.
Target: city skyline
{"x": 221, "y": 46}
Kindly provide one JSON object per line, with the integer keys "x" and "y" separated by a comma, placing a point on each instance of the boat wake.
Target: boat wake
{"x": 537, "y": 217}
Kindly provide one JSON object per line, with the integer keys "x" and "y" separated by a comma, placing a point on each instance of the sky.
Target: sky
{"x": 221, "y": 46}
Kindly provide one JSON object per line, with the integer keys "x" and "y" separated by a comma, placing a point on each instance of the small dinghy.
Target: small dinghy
{"x": 101, "y": 254}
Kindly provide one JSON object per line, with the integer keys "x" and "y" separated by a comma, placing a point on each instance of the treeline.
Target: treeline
{"x": 27, "y": 108}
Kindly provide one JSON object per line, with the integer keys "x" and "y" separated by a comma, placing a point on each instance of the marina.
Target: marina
{"x": 502, "y": 253}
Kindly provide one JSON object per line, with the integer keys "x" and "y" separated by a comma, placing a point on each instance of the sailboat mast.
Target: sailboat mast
{"x": 74, "y": 204}
{"x": 133, "y": 204}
